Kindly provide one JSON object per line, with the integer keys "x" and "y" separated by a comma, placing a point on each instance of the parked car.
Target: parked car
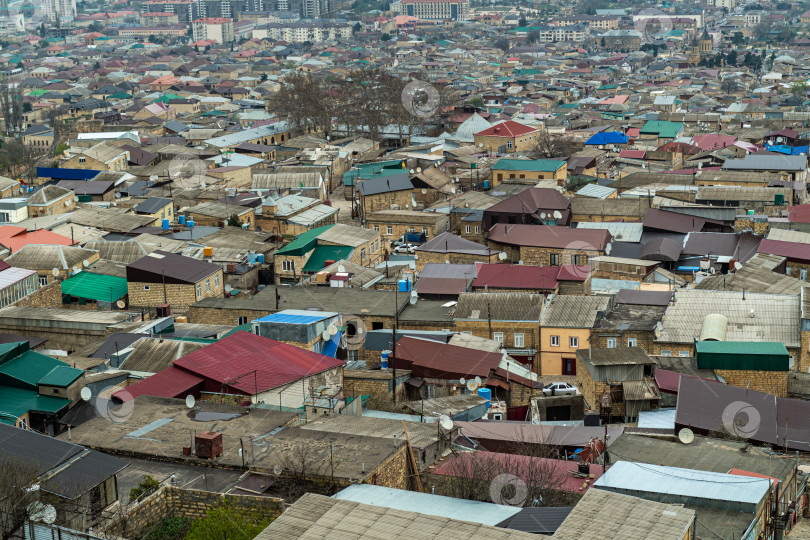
{"x": 559, "y": 389}
{"x": 405, "y": 248}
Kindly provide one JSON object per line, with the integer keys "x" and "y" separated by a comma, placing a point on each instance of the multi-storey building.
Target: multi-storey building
{"x": 299, "y": 32}
{"x": 218, "y": 29}
{"x": 63, "y": 10}
{"x": 457, "y": 10}
{"x": 597, "y": 22}
{"x": 159, "y": 18}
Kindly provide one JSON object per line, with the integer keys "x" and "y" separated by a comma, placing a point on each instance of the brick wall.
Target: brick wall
{"x": 171, "y": 501}
{"x": 644, "y": 339}
{"x": 289, "y": 275}
{"x": 224, "y": 316}
{"x": 394, "y": 472}
{"x": 770, "y": 382}
{"x": 454, "y": 258}
{"x": 45, "y": 297}
{"x": 176, "y": 294}
{"x": 383, "y": 201}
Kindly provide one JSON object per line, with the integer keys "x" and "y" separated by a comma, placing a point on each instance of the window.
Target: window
{"x": 631, "y": 342}
{"x": 376, "y": 227}
{"x": 241, "y": 320}
{"x": 43, "y": 280}
{"x": 666, "y": 353}
{"x": 207, "y": 285}
{"x": 509, "y": 144}
{"x": 611, "y": 343}
{"x": 554, "y": 259}
{"x": 362, "y": 253}
{"x": 82, "y": 159}
{"x": 683, "y": 353}
{"x": 467, "y": 229}
{"x": 425, "y": 232}
{"x": 288, "y": 266}
{"x": 790, "y": 360}
{"x": 555, "y": 341}
{"x": 573, "y": 342}
{"x": 498, "y": 336}
{"x": 4, "y": 217}
{"x": 519, "y": 340}
{"x": 477, "y": 229}
{"x": 216, "y": 281}
{"x": 803, "y": 274}
{"x": 146, "y": 287}
{"x": 578, "y": 259}
{"x": 389, "y": 230}
{"x": 430, "y": 391}
{"x": 199, "y": 291}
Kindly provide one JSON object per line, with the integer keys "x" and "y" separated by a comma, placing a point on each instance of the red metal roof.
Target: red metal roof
{"x": 428, "y": 359}
{"x": 516, "y": 276}
{"x": 173, "y": 382}
{"x": 510, "y": 128}
{"x": 667, "y": 380}
{"x": 16, "y": 238}
{"x": 741, "y": 472}
{"x": 230, "y": 360}
{"x": 550, "y": 236}
{"x": 573, "y": 272}
{"x": 799, "y": 213}
{"x": 791, "y": 250}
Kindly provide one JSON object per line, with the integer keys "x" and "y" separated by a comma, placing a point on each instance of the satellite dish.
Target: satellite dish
{"x": 462, "y": 380}
{"x": 471, "y": 386}
{"x": 557, "y": 214}
{"x": 228, "y": 288}
{"x": 55, "y": 272}
{"x": 478, "y": 380}
{"x": 341, "y": 268}
{"x": 85, "y": 263}
{"x": 737, "y": 265}
{"x": 480, "y": 145}
{"x": 413, "y": 299}
{"x": 277, "y": 470}
{"x": 608, "y": 249}
{"x": 686, "y": 436}
{"x": 542, "y": 215}
{"x": 502, "y": 255}
{"x": 86, "y": 394}
{"x": 326, "y": 335}
{"x": 415, "y": 256}
{"x": 419, "y": 169}
{"x": 67, "y": 203}
{"x": 453, "y": 191}
{"x": 332, "y": 329}
{"x": 117, "y": 194}
{"x": 411, "y": 171}
{"x": 445, "y": 422}
{"x": 190, "y": 401}
{"x": 44, "y": 513}
{"x": 121, "y": 304}
{"x": 424, "y": 191}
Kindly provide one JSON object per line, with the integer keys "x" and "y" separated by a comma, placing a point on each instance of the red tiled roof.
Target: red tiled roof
{"x": 510, "y": 128}
{"x": 16, "y": 238}
{"x": 276, "y": 363}
{"x": 172, "y": 383}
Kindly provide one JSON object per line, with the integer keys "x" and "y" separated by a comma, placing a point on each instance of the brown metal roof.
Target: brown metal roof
{"x": 176, "y": 268}
{"x": 550, "y": 236}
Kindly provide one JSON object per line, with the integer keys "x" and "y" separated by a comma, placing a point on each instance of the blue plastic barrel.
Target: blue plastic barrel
{"x": 190, "y": 223}
{"x": 384, "y": 356}
{"x": 486, "y": 393}
{"x": 182, "y": 220}
{"x": 404, "y": 285}
{"x": 260, "y": 258}
{"x": 165, "y": 224}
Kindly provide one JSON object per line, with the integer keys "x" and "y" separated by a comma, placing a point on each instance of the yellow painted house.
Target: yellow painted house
{"x": 158, "y": 208}
{"x": 565, "y": 327}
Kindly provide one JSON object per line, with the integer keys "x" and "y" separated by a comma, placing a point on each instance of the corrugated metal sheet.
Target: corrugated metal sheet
{"x": 97, "y": 287}
{"x": 737, "y": 355}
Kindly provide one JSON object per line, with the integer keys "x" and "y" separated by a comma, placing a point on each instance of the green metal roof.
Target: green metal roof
{"x": 247, "y": 327}
{"x": 97, "y": 287}
{"x": 535, "y": 165}
{"x": 318, "y": 259}
{"x": 62, "y": 376}
{"x": 742, "y": 355}
{"x": 24, "y": 368}
{"x": 662, "y": 128}
{"x": 303, "y": 243}
{"x": 15, "y": 402}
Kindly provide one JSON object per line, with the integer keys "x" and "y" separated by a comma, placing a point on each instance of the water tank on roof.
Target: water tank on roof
{"x": 384, "y": 356}
{"x": 181, "y": 219}
{"x": 260, "y": 258}
{"x": 714, "y": 327}
{"x": 486, "y": 393}
{"x": 165, "y": 224}
{"x": 404, "y": 285}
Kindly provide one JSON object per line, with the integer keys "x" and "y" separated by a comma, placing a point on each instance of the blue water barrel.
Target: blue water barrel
{"x": 190, "y": 223}
{"x": 486, "y": 184}
{"x": 486, "y": 393}
{"x": 182, "y": 220}
{"x": 384, "y": 356}
{"x": 404, "y": 285}
{"x": 251, "y": 258}
{"x": 260, "y": 258}
{"x": 165, "y": 224}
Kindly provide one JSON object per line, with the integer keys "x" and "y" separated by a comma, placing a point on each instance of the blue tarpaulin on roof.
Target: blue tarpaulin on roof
{"x": 331, "y": 346}
{"x": 66, "y": 174}
{"x": 789, "y": 150}
{"x": 610, "y": 137}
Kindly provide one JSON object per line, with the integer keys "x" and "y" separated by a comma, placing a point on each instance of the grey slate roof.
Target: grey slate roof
{"x": 450, "y": 243}
{"x": 573, "y": 311}
{"x": 500, "y": 306}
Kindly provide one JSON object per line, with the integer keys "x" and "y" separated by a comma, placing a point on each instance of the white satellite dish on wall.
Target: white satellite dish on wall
{"x": 341, "y": 268}
{"x": 557, "y": 214}
{"x": 686, "y": 436}
{"x": 542, "y": 215}
{"x": 424, "y": 191}
{"x": 478, "y": 380}
{"x": 332, "y": 329}
{"x": 462, "y": 380}
{"x": 121, "y": 304}
{"x": 502, "y": 256}
{"x": 471, "y": 386}
{"x": 453, "y": 191}
{"x": 86, "y": 394}
{"x": 190, "y": 401}
{"x": 326, "y": 335}
{"x": 55, "y": 272}
{"x": 228, "y": 288}
{"x": 85, "y": 263}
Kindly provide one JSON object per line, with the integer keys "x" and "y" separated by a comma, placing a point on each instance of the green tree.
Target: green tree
{"x": 356, "y": 28}
{"x": 227, "y": 522}
{"x": 58, "y": 151}
{"x": 603, "y": 43}
{"x": 738, "y": 38}
{"x": 145, "y": 487}
{"x": 502, "y": 44}
{"x": 233, "y": 221}
{"x": 799, "y": 88}
{"x": 385, "y": 37}
{"x": 477, "y": 102}
{"x": 523, "y": 22}
{"x": 731, "y": 58}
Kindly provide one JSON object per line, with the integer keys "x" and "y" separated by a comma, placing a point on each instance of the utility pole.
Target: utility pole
{"x": 489, "y": 320}
{"x": 394, "y": 342}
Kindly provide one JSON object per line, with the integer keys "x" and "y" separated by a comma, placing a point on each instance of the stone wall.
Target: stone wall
{"x": 394, "y": 472}
{"x": 171, "y": 501}
{"x": 454, "y": 258}
{"x": 176, "y": 294}
{"x": 770, "y": 382}
{"x": 224, "y": 316}
{"x": 45, "y": 297}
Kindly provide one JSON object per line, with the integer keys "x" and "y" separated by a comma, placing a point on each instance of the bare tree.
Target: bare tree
{"x": 550, "y": 145}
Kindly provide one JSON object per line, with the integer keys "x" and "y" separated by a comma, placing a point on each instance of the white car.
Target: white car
{"x": 408, "y": 248}
{"x": 559, "y": 389}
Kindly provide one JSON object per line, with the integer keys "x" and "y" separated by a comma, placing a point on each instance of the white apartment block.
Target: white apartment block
{"x": 302, "y": 31}
{"x": 457, "y": 10}
{"x": 218, "y": 29}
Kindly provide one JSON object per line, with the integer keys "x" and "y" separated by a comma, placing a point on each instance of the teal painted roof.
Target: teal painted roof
{"x": 23, "y": 368}
{"x": 662, "y": 128}
{"x": 536, "y": 165}
{"x": 62, "y": 376}
{"x": 366, "y": 171}
{"x": 322, "y": 254}
{"x": 247, "y": 327}
{"x": 303, "y": 243}
{"x": 741, "y": 347}
{"x": 15, "y": 402}
{"x": 97, "y": 287}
